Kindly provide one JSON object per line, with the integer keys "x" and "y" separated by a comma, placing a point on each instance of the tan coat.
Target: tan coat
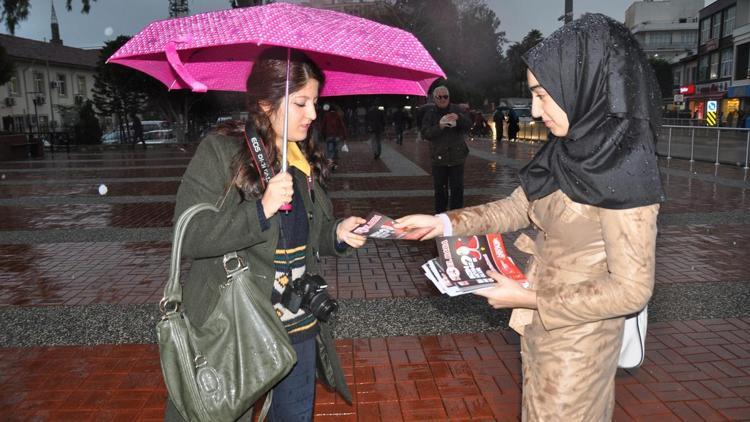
{"x": 590, "y": 266}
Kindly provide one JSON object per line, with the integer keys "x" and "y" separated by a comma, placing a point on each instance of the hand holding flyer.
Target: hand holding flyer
{"x": 463, "y": 263}
{"x": 378, "y": 226}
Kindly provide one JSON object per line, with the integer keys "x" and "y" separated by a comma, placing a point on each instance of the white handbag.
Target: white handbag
{"x": 633, "y": 349}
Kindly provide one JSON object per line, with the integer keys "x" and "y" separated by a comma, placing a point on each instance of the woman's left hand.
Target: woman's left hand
{"x": 344, "y": 232}
{"x": 508, "y": 293}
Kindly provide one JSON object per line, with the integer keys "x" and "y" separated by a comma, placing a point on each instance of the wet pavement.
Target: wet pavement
{"x": 81, "y": 273}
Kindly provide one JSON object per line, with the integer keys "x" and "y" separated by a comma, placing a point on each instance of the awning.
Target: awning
{"x": 739, "y": 91}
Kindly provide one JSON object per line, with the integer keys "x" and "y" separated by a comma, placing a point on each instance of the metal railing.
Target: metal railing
{"x": 720, "y": 145}
{"x": 693, "y": 142}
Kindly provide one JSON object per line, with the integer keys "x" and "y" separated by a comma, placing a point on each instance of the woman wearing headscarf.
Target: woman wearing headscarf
{"x": 593, "y": 193}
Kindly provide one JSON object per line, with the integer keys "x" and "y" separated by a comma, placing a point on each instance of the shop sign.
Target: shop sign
{"x": 687, "y": 89}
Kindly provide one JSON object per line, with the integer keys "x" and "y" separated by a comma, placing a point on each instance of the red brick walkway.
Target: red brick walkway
{"x": 695, "y": 370}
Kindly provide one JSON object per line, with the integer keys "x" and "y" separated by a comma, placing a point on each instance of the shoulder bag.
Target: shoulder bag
{"x": 633, "y": 349}
{"x": 217, "y": 371}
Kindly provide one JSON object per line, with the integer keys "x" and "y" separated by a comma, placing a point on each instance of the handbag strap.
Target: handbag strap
{"x": 172, "y": 299}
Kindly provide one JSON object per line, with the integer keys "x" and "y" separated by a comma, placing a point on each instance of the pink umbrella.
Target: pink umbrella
{"x": 215, "y": 50}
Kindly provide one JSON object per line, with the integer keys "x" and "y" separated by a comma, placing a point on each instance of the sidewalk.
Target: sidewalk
{"x": 81, "y": 273}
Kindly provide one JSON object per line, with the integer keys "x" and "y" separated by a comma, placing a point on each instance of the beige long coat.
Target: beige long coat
{"x": 590, "y": 266}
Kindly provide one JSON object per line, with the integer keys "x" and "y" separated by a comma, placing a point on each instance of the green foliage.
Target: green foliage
{"x": 462, "y": 36}
{"x": 6, "y": 66}
{"x": 87, "y": 130}
{"x": 17, "y": 11}
{"x": 118, "y": 90}
{"x": 663, "y": 71}
{"x": 515, "y": 66}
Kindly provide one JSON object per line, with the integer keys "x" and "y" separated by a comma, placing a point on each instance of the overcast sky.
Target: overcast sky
{"x": 110, "y": 18}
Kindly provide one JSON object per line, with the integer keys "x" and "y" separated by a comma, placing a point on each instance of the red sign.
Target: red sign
{"x": 687, "y": 90}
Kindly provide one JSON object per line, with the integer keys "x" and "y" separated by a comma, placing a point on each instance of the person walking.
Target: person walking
{"x": 513, "y": 126}
{"x": 279, "y": 247}
{"x": 399, "y": 124}
{"x": 498, "y": 117}
{"x": 376, "y": 127}
{"x": 137, "y": 130}
{"x": 333, "y": 130}
{"x": 445, "y": 126}
{"x": 593, "y": 193}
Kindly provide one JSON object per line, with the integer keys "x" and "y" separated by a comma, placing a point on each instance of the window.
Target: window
{"x": 659, "y": 39}
{"x": 690, "y": 73}
{"x": 714, "y": 72}
{"x": 716, "y": 27}
{"x": 13, "y": 86}
{"x": 703, "y": 68}
{"x": 62, "y": 86}
{"x": 39, "y": 83}
{"x": 727, "y": 62}
{"x": 81, "y": 85}
{"x": 728, "y": 22}
{"x": 689, "y": 38}
{"x": 677, "y": 77}
{"x": 705, "y": 30}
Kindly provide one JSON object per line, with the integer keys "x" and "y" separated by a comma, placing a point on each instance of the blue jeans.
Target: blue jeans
{"x": 294, "y": 396}
{"x": 332, "y": 151}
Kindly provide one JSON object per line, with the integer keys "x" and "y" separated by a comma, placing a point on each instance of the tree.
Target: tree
{"x": 663, "y": 71}
{"x": 87, "y": 130}
{"x": 515, "y": 66}
{"x": 480, "y": 52}
{"x": 6, "y": 66}
{"x": 17, "y": 11}
{"x": 117, "y": 89}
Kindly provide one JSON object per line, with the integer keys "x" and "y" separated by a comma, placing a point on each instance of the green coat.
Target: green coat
{"x": 236, "y": 228}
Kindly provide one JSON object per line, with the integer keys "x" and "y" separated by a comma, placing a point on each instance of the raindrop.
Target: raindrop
{"x": 734, "y": 243}
{"x": 2, "y": 176}
{"x": 108, "y": 31}
{"x": 102, "y": 189}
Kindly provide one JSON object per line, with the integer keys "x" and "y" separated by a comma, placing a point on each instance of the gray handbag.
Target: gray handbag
{"x": 217, "y": 371}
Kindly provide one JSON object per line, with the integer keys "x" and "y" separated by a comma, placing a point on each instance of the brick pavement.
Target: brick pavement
{"x": 696, "y": 368}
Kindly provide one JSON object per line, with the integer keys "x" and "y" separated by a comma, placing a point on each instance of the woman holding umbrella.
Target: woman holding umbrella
{"x": 593, "y": 194}
{"x": 279, "y": 247}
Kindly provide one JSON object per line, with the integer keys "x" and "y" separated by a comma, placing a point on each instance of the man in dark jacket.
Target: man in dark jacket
{"x": 376, "y": 127}
{"x": 445, "y": 127}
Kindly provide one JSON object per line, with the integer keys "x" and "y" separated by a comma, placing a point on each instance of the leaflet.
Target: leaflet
{"x": 379, "y": 226}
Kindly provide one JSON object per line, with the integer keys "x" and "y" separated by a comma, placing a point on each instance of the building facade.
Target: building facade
{"x": 665, "y": 29}
{"x": 50, "y": 80}
{"x": 713, "y": 64}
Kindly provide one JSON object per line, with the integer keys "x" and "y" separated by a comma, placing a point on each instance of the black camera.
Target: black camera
{"x": 308, "y": 292}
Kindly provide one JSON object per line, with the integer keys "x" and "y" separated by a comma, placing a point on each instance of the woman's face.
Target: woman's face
{"x": 301, "y": 113}
{"x": 545, "y": 108}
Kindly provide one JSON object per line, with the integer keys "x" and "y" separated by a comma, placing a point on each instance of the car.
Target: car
{"x": 159, "y": 136}
{"x": 523, "y": 113}
{"x": 111, "y": 138}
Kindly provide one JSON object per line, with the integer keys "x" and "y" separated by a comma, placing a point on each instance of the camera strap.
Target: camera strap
{"x": 259, "y": 154}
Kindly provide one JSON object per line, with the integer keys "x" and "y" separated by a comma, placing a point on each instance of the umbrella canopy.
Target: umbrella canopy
{"x": 215, "y": 50}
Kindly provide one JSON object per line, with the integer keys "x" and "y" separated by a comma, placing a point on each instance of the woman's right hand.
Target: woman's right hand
{"x": 278, "y": 192}
{"x": 422, "y": 221}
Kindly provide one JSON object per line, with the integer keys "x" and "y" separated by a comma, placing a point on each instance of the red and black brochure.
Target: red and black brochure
{"x": 463, "y": 262}
{"x": 379, "y": 226}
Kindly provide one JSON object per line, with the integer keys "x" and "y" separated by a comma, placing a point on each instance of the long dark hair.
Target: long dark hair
{"x": 266, "y": 85}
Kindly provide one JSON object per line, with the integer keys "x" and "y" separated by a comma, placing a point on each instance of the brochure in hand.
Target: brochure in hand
{"x": 463, "y": 262}
{"x": 378, "y": 226}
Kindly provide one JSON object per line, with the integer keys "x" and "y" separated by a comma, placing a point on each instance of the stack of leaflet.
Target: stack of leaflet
{"x": 463, "y": 262}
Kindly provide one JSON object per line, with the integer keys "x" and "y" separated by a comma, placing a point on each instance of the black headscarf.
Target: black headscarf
{"x": 595, "y": 71}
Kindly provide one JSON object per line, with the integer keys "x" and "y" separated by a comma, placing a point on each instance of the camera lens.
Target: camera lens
{"x": 322, "y": 306}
